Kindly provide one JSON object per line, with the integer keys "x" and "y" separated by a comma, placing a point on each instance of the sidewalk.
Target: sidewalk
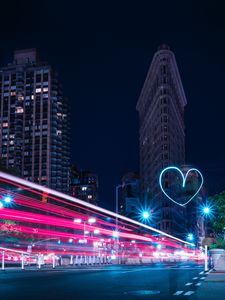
{"x": 212, "y": 288}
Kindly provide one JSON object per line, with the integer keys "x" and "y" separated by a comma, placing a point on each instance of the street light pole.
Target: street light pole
{"x": 3, "y": 260}
{"x": 117, "y": 206}
{"x": 117, "y": 235}
{"x": 117, "y": 196}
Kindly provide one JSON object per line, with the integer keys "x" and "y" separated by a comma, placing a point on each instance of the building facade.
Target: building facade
{"x": 84, "y": 185}
{"x": 34, "y": 122}
{"x": 161, "y": 134}
{"x": 130, "y": 195}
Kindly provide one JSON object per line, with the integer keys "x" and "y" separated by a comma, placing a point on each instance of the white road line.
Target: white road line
{"x": 201, "y": 273}
{"x": 202, "y": 278}
{"x": 189, "y": 283}
{"x": 178, "y": 293}
{"x": 137, "y": 270}
{"x": 198, "y": 284}
{"x": 189, "y": 293}
{"x": 194, "y": 278}
{"x": 179, "y": 268}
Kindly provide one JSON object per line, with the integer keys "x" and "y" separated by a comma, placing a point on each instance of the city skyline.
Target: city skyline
{"x": 103, "y": 71}
{"x": 112, "y": 150}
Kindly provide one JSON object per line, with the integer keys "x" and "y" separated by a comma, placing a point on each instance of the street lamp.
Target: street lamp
{"x": 115, "y": 234}
{"x": 190, "y": 237}
{"x": 159, "y": 246}
{"x": 146, "y": 214}
{"x": 206, "y": 213}
{"x": 7, "y": 199}
{"x": 78, "y": 221}
{"x": 206, "y": 210}
{"x": 91, "y": 220}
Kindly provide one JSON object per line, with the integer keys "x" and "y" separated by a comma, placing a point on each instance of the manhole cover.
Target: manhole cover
{"x": 142, "y": 292}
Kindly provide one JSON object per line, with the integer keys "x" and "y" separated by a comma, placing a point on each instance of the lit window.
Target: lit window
{"x": 20, "y": 98}
{"x": 19, "y": 110}
{"x": 5, "y": 124}
{"x": 45, "y": 89}
{"x": 89, "y": 196}
{"x": 11, "y": 142}
{"x": 13, "y": 94}
{"x": 84, "y": 188}
{"x": 59, "y": 132}
{"x": 32, "y": 97}
{"x": 38, "y": 90}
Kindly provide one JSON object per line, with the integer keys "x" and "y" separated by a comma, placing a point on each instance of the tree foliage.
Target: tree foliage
{"x": 218, "y": 222}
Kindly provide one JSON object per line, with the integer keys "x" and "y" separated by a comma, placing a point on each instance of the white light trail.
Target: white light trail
{"x": 38, "y": 187}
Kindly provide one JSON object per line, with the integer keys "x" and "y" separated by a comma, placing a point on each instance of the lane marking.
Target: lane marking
{"x": 189, "y": 293}
{"x": 201, "y": 273}
{"x": 189, "y": 283}
{"x": 181, "y": 268}
{"x": 194, "y": 278}
{"x": 202, "y": 278}
{"x": 198, "y": 284}
{"x": 178, "y": 293}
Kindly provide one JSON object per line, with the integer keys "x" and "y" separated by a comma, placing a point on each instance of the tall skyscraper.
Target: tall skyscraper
{"x": 34, "y": 123}
{"x": 162, "y": 138}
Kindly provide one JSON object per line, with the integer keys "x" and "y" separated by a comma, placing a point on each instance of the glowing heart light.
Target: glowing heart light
{"x": 184, "y": 178}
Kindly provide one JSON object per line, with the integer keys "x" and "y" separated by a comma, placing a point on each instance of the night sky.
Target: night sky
{"x": 103, "y": 51}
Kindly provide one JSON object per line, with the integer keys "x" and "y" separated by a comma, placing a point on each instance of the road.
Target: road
{"x": 161, "y": 281}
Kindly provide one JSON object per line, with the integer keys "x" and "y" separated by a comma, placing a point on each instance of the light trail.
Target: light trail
{"x": 28, "y": 220}
{"x": 31, "y": 185}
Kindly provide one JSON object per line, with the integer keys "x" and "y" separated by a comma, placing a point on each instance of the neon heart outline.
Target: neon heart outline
{"x": 183, "y": 183}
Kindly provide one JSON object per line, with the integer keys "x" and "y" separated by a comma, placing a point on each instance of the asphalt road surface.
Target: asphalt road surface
{"x": 159, "y": 281}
